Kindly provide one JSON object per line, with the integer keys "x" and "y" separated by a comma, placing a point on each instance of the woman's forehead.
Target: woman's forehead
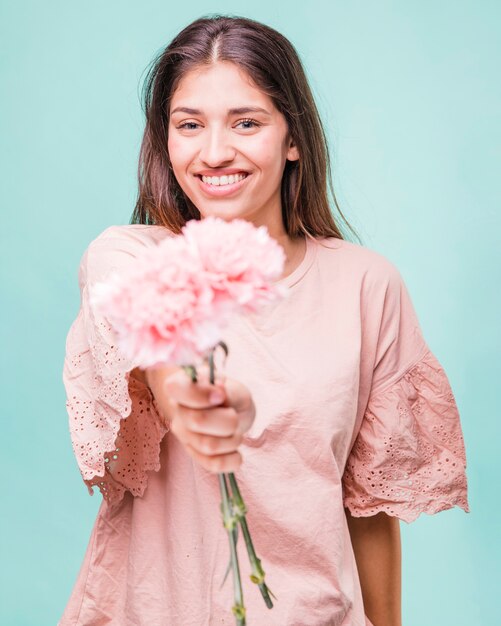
{"x": 223, "y": 83}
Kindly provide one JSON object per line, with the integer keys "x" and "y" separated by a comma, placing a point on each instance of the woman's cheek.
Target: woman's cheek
{"x": 173, "y": 147}
{"x": 180, "y": 151}
{"x": 266, "y": 151}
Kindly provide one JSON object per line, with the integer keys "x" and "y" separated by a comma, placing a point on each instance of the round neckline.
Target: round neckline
{"x": 298, "y": 273}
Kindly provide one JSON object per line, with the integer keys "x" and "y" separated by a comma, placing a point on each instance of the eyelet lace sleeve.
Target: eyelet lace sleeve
{"x": 409, "y": 455}
{"x": 115, "y": 425}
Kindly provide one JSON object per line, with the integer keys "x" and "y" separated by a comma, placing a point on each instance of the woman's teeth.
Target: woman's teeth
{"x": 223, "y": 180}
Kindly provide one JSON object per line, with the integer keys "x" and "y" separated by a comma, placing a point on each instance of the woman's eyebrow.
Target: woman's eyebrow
{"x": 237, "y": 111}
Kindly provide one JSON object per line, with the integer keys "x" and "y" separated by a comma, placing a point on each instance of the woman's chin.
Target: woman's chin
{"x": 224, "y": 215}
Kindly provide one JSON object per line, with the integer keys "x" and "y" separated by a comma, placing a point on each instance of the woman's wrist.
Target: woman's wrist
{"x": 155, "y": 380}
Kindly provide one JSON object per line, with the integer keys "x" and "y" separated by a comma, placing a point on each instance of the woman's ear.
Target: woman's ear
{"x": 293, "y": 152}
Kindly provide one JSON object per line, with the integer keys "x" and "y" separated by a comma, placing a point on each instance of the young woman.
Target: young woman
{"x": 335, "y": 415}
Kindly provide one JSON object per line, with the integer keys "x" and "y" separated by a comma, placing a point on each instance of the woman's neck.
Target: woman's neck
{"x": 295, "y": 251}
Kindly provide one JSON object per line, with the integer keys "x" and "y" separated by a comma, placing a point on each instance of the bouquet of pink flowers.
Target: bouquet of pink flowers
{"x": 171, "y": 308}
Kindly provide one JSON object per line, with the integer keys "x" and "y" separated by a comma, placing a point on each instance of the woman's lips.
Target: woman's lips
{"x": 218, "y": 191}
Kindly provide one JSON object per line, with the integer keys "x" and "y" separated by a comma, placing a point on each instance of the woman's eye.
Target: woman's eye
{"x": 249, "y": 121}
{"x": 246, "y": 121}
{"x": 187, "y": 124}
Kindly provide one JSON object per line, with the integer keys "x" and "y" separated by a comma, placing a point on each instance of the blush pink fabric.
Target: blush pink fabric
{"x": 353, "y": 410}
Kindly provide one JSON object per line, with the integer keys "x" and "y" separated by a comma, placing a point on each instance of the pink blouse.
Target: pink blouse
{"x": 353, "y": 410}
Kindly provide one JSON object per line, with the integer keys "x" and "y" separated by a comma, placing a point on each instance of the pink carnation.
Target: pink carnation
{"x": 171, "y": 307}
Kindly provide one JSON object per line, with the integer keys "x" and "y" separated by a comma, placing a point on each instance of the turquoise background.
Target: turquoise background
{"x": 410, "y": 95}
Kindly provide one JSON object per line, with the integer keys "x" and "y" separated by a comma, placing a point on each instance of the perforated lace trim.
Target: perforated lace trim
{"x": 115, "y": 425}
{"x": 409, "y": 456}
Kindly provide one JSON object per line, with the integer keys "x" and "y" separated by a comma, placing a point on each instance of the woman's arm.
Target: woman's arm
{"x": 377, "y": 548}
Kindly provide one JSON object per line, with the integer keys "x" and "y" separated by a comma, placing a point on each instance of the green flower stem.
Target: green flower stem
{"x": 230, "y": 522}
{"x": 257, "y": 575}
{"x": 233, "y": 510}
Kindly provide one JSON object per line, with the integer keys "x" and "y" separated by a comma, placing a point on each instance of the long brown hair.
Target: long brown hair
{"x": 272, "y": 62}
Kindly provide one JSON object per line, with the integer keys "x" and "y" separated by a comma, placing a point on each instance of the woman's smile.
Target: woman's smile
{"x": 220, "y": 187}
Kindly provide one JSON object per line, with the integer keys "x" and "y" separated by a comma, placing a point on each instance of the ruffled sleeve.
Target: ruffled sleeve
{"x": 409, "y": 455}
{"x": 115, "y": 425}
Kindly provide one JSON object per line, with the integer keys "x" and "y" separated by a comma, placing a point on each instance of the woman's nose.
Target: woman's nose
{"x": 216, "y": 147}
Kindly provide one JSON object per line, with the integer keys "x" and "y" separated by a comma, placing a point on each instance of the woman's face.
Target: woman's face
{"x": 214, "y": 140}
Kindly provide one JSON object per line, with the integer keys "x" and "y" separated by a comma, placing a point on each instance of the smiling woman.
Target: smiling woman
{"x": 224, "y": 106}
{"x": 219, "y": 146}
{"x": 356, "y": 425}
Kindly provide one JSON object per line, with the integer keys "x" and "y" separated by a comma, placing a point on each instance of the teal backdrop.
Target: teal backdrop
{"x": 410, "y": 96}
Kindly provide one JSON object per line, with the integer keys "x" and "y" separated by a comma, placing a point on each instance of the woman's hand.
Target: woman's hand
{"x": 210, "y": 429}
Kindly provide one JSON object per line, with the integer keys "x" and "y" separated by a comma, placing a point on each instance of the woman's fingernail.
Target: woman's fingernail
{"x": 216, "y": 397}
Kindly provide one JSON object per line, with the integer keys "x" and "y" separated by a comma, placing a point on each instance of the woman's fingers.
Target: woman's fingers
{"x": 224, "y": 463}
{"x": 215, "y": 454}
{"x": 214, "y": 446}
{"x": 213, "y": 434}
{"x": 210, "y": 429}
{"x": 185, "y": 392}
{"x": 217, "y": 421}
{"x": 239, "y": 397}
